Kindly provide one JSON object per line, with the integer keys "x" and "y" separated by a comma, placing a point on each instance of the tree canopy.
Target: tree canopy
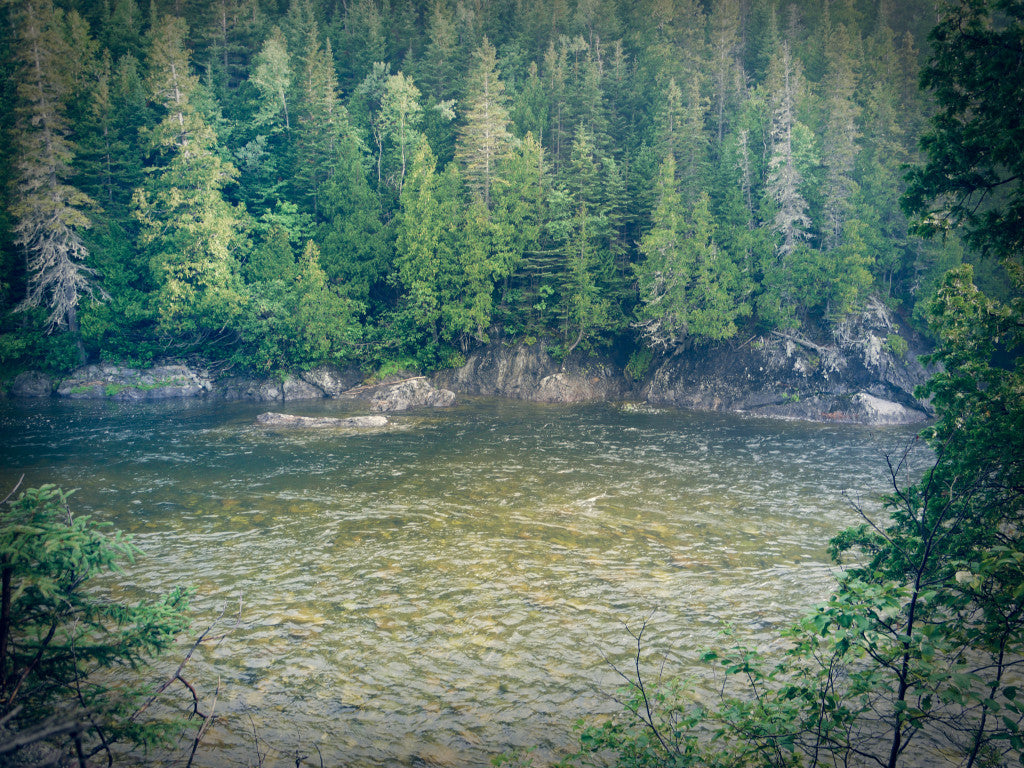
{"x": 144, "y": 168}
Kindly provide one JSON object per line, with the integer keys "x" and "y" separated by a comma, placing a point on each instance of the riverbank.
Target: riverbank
{"x": 866, "y": 373}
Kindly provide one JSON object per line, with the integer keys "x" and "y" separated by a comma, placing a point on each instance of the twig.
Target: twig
{"x": 13, "y": 490}
{"x": 202, "y": 730}
{"x": 177, "y": 676}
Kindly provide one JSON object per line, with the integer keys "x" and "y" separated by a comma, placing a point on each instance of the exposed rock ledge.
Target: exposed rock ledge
{"x": 854, "y": 377}
{"x": 113, "y": 382}
{"x": 271, "y": 419}
{"x": 857, "y": 376}
{"x": 528, "y": 372}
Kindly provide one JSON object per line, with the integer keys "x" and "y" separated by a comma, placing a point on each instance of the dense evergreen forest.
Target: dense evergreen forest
{"x": 271, "y": 184}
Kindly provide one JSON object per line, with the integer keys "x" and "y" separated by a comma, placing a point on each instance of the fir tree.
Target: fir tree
{"x": 49, "y": 213}
{"x": 190, "y": 231}
{"x": 484, "y": 139}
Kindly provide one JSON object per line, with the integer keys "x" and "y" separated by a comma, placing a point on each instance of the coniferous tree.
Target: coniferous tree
{"x": 558, "y": 123}
{"x": 322, "y": 123}
{"x": 724, "y": 36}
{"x": 440, "y": 60}
{"x": 778, "y": 302}
{"x": 49, "y": 213}
{"x": 688, "y": 286}
{"x": 354, "y": 250}
{"x": 586, "y": 310}
{"x": 420, "y": 249}
{"x": 484, "y": 139}
{"x": 840, "y": 136}
{"x": 189, "y": 230}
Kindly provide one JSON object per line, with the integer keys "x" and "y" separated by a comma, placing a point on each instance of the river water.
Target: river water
{"x": 459, "y": 583}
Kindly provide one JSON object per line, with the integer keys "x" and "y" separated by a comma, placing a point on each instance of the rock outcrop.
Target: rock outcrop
{"x": 416, "y": 392}
{"x": 331, "y": 380}
{"x": 528, "y": 372}
{"x": 865, "y": 373}
{"x": 115, "y": 382}
{"x": 296, "y": 388}
{"x": 271, "y": 419}
{"x": 862, "y": 376}
{"x": 178, "y": 380}
{"x": 267, "y": 390}
{"x": 32, "y": 384}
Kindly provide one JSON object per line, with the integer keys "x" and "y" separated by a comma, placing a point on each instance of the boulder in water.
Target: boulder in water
{"x": 415, "y": 392}
{"x": 271, "y": 419}
{"x": 411, "y": 393}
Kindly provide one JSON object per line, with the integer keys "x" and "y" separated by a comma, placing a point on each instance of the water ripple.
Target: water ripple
{"x": 455, "y": 585}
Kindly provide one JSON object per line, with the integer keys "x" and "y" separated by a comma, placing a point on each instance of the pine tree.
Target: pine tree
{"x": 190, "y": 231}
{"x": 359, "y": 41}
{"x": 48, "y": 211}
{"x": 839, "y": 141}
{"x": 122, "y": 33}
{"x": 689, "y": 287}
{"x": 420, "y": 247}
{"x": 516, "y": 212}
{"x": 586, "y": 310}
{"x": 322, "y": 123}
{"x": 323, "y": 321}
{"x": 558, "y": 125}
{"x": 440, "y": 61}
{"x": 484, "y": 139}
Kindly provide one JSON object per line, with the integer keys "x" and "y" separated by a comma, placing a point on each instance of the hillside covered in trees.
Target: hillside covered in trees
{"x": 271, "y": 184}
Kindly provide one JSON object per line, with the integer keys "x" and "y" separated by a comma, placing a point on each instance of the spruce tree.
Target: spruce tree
{"x": 484, "y": 139}
{"x": 839, "y": 142}
{"x": 689, "y": 287}
{"x": 48, "y": 212}
{"x": 187, "y": 227}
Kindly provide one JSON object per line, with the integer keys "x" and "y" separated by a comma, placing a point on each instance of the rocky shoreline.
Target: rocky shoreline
{"x": 865, "y": 374}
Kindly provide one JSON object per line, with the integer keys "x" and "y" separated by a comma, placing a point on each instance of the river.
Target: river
{"x": 458, "y": 583}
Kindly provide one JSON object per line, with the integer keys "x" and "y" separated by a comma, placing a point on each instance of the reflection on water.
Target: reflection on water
{"x": 453, "y": 585}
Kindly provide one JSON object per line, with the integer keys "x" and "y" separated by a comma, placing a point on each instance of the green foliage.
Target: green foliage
{"x": 974, "y": 177}
{"x": 296, "y": 317}
{"x": 190, "y": 231}
{"x": 897, "y": 345}
{"x": 639, "y": 364}
{"x": 688, "y": 286}
{"x": 557, "y": 119}
{"x": 31, "y": 346}
{"x": 60, "y": 634}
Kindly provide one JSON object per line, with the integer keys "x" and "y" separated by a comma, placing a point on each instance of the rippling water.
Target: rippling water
{"x": 453, "y": 585}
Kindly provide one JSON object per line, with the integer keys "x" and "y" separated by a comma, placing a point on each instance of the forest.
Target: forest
{"x": 270, "y": 185}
